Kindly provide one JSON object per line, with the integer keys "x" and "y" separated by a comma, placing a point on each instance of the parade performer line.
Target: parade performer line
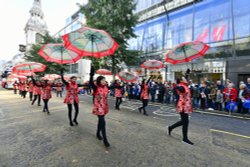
{"x": 229, "y": 133}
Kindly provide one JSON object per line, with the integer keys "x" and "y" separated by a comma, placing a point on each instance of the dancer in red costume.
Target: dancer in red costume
{"x": 100, "y": 109}
{"x": 184, "y": 107}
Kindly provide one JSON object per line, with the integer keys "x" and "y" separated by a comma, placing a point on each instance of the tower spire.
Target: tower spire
{"x": 35, "y": 26}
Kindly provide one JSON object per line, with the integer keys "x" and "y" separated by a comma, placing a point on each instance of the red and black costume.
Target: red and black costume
{"x": 59, "y": 87}
{"x": 30, "y": 90}
{"x": 100, "y": 105}
{"x": 118, "y": 94}
{"x": 144, "y": 96}
{"x": 23, "y": 88}
{"x": 45, "y": 93}
{"x": 37, "y": 92}
{"x": 71, "y": 98}
{"x": 184, "y": 107}
{"x": 15, "y": 87}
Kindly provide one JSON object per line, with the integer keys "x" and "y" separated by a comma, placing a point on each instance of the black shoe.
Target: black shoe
{"x": 106, "y": 143}
{"x": 32, "y": 103}
{"x": 145, "y": 114}
{"x": 187, "y": 141}
{"x": 48, "y": 112}
{"x": 75, "y": 121}
{"x": 71, "y": 124}
{"x": 39, "y": 105}
{"x": 169, "y": 131}
{"x": 99, "y": 136}
{"x": 43, "y": 110}
{"x": 139, "y": 110}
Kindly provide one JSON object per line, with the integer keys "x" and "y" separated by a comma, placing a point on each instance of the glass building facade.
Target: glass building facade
{"x": 223, "y": 24}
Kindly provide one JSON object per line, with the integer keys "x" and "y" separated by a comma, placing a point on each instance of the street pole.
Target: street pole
{"x": 233, "y": 30}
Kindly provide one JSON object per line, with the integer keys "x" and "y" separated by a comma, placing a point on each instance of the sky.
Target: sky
{"x": 14, "y": 15}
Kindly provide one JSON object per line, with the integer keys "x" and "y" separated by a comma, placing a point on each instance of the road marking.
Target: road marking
{"x": 229, "y": 133}
{"x": 232, "y": 116}
{"x": 159, "y": 118}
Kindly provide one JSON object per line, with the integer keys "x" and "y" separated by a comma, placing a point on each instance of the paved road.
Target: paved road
{"x": 32, "y": 138}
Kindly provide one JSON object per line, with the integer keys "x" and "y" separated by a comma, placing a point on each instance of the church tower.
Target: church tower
{"x": 36, "y": 26}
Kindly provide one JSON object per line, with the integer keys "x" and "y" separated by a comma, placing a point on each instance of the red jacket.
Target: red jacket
{"x": 230, "y": 94}
{"x": 185, "y": 101}
{"x": 101, "y": 101}
{"x": 71, "y": 93}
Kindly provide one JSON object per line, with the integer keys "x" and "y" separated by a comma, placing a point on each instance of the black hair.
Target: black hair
{"x": 72, "y": 77}
{"x": 143, "y": 81}
{"x": 178, "y": 80}
{"x": 98, "y": 80}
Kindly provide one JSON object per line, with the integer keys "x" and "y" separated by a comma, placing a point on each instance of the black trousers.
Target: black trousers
{"x": 184, "y": 123}
{"x": 144, "y": 105}
{"x": 118, "y": 102}
{"x": 45, "y": 107}
{"x": 37, "y": 97}
{"x": 153, "y": 97}
{"x": 101, "y": 127}
{"x": 58, "y": 93}
{"x": 203, "y": 103}
{"x": 15, "y": 91}
{"x": 31, "y": 95}
{"x": 70, "y": 111}
{"x": 218, "y": 106}
{"x": 24, "y": 94}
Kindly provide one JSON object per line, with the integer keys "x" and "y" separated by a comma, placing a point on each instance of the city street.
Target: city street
{"x": 30, "y": 137}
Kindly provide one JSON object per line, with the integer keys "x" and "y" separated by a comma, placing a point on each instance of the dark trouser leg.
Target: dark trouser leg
{"x": 239, "y": 106}
{"x": 35, "y": 97}
{"x": 70, "y": 114}
{"x": 184, "y": 123}
{"x": 220, "y": 106}
{"x": 116, "y": 103}
{"x": 76, "y": 111}
{"x": 93, "y": 99}
{"x": 24, "y": 94}
{"x": 103, "y": 129}
{"x": 145, "y": 104}
{"x": 99, "y": 127}
{"x": 60, "y": 93}
{"x": 45, "y": 107}
{"x": 31, "y": 95}
{"x": 203, "y": 103}
{"x": 39, "y": 100}
{"x": 14, "y": 91}
{"x": 57, "y": 92}
{"x": 184, "y": 118}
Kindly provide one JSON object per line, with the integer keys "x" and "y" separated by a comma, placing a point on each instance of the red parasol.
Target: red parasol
{"x": 52, "y": 76}
{"x": 29, "y": 67}
{"x": 186, "y": 52}
{"x": 88, "y": 41}
{"x": 152, "y": 64}
{"x": 127, "y": 76}
{"x": 104, "y": 72}
{"x": 58, "y": 53}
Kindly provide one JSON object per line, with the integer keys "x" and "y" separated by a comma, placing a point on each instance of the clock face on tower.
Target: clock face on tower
{"x": 39, "y": 38}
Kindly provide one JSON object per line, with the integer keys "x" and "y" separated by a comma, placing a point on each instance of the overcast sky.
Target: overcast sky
{"x": 14, "y": 15}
